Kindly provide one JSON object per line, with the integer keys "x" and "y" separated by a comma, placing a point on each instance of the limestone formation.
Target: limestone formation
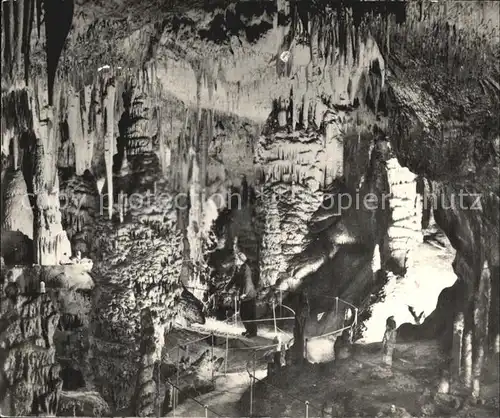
{"x": 18, "y": 214}
{"x": 308, "y": 92}
{"x": 405, "y": 231}
{"x": 109, "y": 139}
{"x": 145, "y": 386}
{"x": 51, "y": 243}
{"x": 293, "y": 169}
{"x": 80, "y": 206}
{"x": 28, "y": 340}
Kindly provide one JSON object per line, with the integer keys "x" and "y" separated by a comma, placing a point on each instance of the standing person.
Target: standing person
{"x": 301, "y": 316}
{"x": 242, "y": 278}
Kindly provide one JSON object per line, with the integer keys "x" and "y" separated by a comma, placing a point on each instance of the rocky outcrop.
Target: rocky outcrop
{"x": 82, "y": 403}
{"x": 139, "y": 267}
{"x": 29, "y": 370}
{"x": 71, "y": 276}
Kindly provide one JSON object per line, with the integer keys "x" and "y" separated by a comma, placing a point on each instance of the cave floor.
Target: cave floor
{"x": 361, "y": 386}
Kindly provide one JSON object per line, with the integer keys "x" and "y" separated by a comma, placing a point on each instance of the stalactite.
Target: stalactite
{"x": 20, "y": 31}
{"x": 28, "y": 27}
{"x": 109, "y": 102}
{"x": 307, "y": 99}
{"x": 165, "y": 151}
{"x": 12, "y": 42}
{"x": 58, "y": 15}
{"x": 75, "y": 132}
{"x": 206, "y": 137}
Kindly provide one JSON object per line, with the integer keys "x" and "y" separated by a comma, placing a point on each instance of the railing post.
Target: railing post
{"x": 175, "y": 391}
{"x": 252, "y": 382}
{"x": 251, "y": 395}
{"x": 213, "y": 343}
{"x": 274, "y": 317}
{"x": 174, "y": 394}
{"x": 307, "y": 409}
{"x": 254, "y": 360}
{"x": 178, "y": 364}
{"x": 236, "y": 311}
{"x": 227, "y": 354}
{"x": 206, "y": 411}
{"x": 281, "y": 303}
{"x": 336, "y": 305}
{"x": 305, "y": 348}
{"x": 158, "y": 391}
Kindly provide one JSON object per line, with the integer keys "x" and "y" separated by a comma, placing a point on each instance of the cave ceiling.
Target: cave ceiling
{"x": 440, "y": 58}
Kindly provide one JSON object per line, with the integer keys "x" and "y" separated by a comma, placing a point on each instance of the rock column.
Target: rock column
{"x": 146, "y": 386}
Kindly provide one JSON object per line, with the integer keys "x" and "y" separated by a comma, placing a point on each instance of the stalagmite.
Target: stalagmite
{"x": 480, "y": 327}
{"x": 467, "y": 355}
{"x": 18, "y": 215}
{"x": 109, "y": 105}
{"x": 51, "y": 243}
{"x": 145, "y": 385}
{"x": 334, "y": 148}
{"x": 458, "y": 332}
{"x": 15, "y": 153}
{"x": 494, "y": 335}
{"x": 282, "y": 112}
{"x": 376, "y": 260}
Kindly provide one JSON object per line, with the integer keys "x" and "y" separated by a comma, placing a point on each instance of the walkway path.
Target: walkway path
{"x": 223, "y": 400}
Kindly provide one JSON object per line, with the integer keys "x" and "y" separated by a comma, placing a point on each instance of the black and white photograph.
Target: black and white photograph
{"x": 250, "y": 208}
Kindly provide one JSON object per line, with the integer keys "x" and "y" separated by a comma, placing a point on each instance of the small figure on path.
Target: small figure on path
{"x": 389, "y": 341}
{"x": 243, "y": 280}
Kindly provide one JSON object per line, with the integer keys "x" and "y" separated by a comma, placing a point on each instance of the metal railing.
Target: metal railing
{"x": 253, "y": 378}
{"x": 176, "y": 390}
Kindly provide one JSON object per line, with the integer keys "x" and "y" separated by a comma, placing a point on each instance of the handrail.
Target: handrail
{"x": 268, "y": 319}
{"x": 264, "y": 319}
{"x": 256, "y": 348}
{"x": 284, "y": 291}
{"x": 329, "y": 333}
{"x": 183, "y": 346}
{"x": 198, "y": 402}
